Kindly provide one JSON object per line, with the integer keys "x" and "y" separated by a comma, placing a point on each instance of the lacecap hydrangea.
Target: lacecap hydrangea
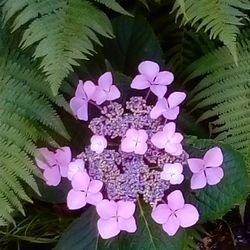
{"x": 135, "y": 152}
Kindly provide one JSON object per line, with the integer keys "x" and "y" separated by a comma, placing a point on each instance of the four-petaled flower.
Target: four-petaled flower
{"x": 151, "y": 77}
{"x": 84, "y": 191}
{"x": 207, "y": 170}
{"x": 115, "y": 217}
{"x": 106, "y": 91}
{"x": 55, "y": 165}
{"x": 168, "y": 139}
{"x": 79, "y": 103}
{"x": 135, "y": 141}
{"x": 98, "y": 143}
{"x": 175, "y": 213}
{"x": 168, "y": 107}
{"x": 172, "y": 172}
{"x": 74, "y": 167}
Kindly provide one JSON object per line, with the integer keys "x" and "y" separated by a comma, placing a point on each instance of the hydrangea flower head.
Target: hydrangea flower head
{"x": 55, "y": 165}
{"x": 84, "y": 191}
{"x": 172, "y": 172}
{"x": 168, "y": 139}
{"x": 135, "y": 141}
{"x": 207, "y": 170}
{"x": 79, "y": 103}
{"x": 169, "y": 108}
{"x": 106, "y": 91}
{"x": 151, "y": 77}
{"x": 115, "y": 217}
{"x": 175, "y": 213}
{"x": 98, "y": 143}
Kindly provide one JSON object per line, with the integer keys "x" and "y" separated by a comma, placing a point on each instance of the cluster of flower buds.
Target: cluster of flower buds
{"x": 135, "y": 152}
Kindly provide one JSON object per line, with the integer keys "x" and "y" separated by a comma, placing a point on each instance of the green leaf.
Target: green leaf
{"x": 214, "y": 201}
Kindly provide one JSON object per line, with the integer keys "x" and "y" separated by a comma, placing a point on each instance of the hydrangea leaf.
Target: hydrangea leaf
{"x": 214, "y": 201}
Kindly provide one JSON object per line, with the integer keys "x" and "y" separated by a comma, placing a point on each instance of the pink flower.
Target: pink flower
{"x": 98, "y": 143}
{"x": 151, "y": 77}
{"x": 175, "y": 214}
{"x": 84, "y": 191}
{"x": 168, "y": 108}
{"x": 168, "y": 139}
{"x": 79, "y": 103}
{"x": 135, "y": 141}
{"x": 105, "y": 91}
{"x": 74, "y": 167}
{"x": 172, "y": 172}
{"x": 207, "y": 170}
{"x": 55, "y": 165}
{"x": 115, "y": 217}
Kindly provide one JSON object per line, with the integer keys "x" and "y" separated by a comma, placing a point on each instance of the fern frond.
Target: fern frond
{"x": 64, "y": 31}
{"x": 220, "y": 18}
{"x": 223, "y": 95}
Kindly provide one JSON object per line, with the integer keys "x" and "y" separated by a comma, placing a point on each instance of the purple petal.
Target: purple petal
{"x": 214, "y": 175}
{"x": 128, "y": 225}
{"x": 176, "y": 98}
{"x": 76, "y": 103}
{"x": 149, "y": 69}
{"x": 177, "y": 179}
{"x": 159, "y": 140}
{"x": 76, "y": 199}
{"x": 198, "y": 180}
{"x": 94, "y": 199}
{"x": 80, "y": 93}
{"x": 172, "y": 225}
{"x": 213, "y": 157}
{"x": 89, "y": 88}
{"x": 105, "y": 81}
{"x": 127, "y": 145}
{"x": 75, "y": 167}
{"x": 195, "y": 164}
{"x": 158, "y": 90}
{"x": 161, "y": 213}
{"x": 80, "y": 181}
{"x": 82, "y": 112}
{"x": 125, "y": 209}
{"x": 188, "y": 215}
{"x": 52, "y": 176}
{"x": 108, "y": 228}
{"x": 171, "y": 114}
{"x": 63, "y": 156}
{"x": 173, "y": 168}
{"x": 169, "y": 129}
{"x": 95, "y": 186}
{"x": 100, "y": 96}
{"x": 164, "y": 78}
{"x": 140, "y": 82}
{"x": 98, "y": 143}
{"x": 44, "y": 158}
{"x": 177, "y": 138}
{"x": 142, "y": 135}
{"x": 106, "y": 209}
{"x": 160, "y": 107}
{"x": 174, "y": 148}
{"x": 141, "y": 148}
{"x": 63, "y": 171}
{"x": 175, "y": 200}
{"x": 114, "y": 93}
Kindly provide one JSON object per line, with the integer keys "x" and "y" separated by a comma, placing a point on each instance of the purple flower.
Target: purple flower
{"x": 74, "y": 167}
{"x": 175, "y": 214}
{"x": 55, "y": 165}
{"x": 168, "y": 139}
{"x": 207, "y": 170}
{"x": 172, "y": 172}
{"x": 79, "y": 103}
{"x": 106, "y": 91}
{"x": 98, "y": 143}
{"x": 151, "y": 77}
{"x": 168, "y": 108}
{"x": 115, "y": 217}
{"x": 84, "y": 191}
{"x": 135, "y": 141}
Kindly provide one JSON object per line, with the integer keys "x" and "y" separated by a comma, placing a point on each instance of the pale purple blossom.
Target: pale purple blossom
{"x": 115, "y": 217}
{"x": 79, "y": 103}
{"x": 55, "y": 164}
{"x": 74, "y": 167}
{"x": 168, "y": 139}
{"x": 135, "y": 141}
{"x": 98, "y": 143}
{"x": 151, "y": 77}
{"x": 207, "y": 170}
{"x": 175, "y": 213}
{"x": 106, "y": 91}
{"x": 172, "y": 172}
{"x": 169, "y": 107}
{"x": 84, "y": 191}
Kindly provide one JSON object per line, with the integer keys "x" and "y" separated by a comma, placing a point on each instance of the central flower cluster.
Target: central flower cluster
{"x": 135, "y": 151}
